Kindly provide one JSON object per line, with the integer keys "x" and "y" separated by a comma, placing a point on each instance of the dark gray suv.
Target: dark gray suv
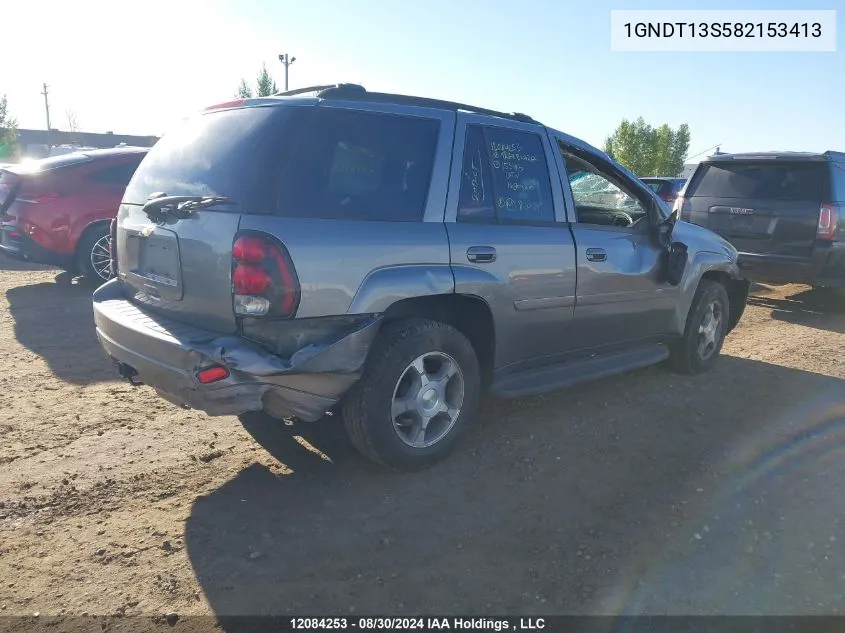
{"x": 390, "y": 257}
{"x": 781, "y": 210}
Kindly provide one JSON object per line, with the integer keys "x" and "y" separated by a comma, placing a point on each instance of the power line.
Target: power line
{"x": 716, "y": 146}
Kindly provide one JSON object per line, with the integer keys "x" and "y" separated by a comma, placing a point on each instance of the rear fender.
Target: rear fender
{"x": 385, "y": 286}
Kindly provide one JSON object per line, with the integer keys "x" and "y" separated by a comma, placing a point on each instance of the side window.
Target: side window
{"x": 359, "y": 166}
{"x": 119, "y": 175}
{"x": 599, "y": 197}
{"x": 505, "y": 177}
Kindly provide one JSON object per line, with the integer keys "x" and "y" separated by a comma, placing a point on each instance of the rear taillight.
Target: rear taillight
{"x": 264, "y": 281}
{"x": 828, "y": 223}
{"x": 113, "y": 246}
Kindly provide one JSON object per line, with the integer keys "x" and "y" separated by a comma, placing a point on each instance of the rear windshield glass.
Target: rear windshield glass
{"x": 8, "y": 180}
{"x": 655, "y": 185}
{"x": 838, "y": 180}
{"x": 771, "y": 181}
{"x": 211, "y": 154}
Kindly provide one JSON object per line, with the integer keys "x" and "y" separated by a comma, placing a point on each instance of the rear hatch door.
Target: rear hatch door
{"x": 762, "y": 206}
{"x": 180, "y": 263}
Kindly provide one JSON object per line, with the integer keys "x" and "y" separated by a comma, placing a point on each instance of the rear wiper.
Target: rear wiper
{"x": 181, "y": 206}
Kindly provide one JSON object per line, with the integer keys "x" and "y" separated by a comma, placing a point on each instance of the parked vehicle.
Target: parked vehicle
{"x": 389, "y": 258}
{"x": 57, "y": 210}
{"x": 667, "y": 189}
{"x": 781, "y": 210}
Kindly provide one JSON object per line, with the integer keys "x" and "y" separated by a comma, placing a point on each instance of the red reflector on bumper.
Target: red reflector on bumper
{"x": 212, "y": 374}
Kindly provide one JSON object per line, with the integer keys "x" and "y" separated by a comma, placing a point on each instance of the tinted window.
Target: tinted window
{"x": 655, "y": 185}
{"x": 215, "y": 153}
{"x": 838, "y": 182}
{"x": 119, "y": 174}
{"x": 780, "y": 181}
{"x": 358, "y": 165}
{"x": 505, "y": 176}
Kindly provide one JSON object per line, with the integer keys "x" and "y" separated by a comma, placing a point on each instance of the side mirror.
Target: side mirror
{"x": 665, "y": 228}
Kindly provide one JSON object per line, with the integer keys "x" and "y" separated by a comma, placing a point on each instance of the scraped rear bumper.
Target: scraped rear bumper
{"x": 167, "y": 355}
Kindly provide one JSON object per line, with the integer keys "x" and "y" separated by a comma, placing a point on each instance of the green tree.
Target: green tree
{"x": 649, "y": 151}
{"x": 265, "y": 86}
{"x": 8, "y": 131}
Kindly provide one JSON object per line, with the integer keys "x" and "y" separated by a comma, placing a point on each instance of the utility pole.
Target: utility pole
{"x": 287, "y": 60}
{"x": 47, "y": 110}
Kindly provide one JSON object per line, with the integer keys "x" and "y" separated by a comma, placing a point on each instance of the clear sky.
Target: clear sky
{"x": 136, "y": 68}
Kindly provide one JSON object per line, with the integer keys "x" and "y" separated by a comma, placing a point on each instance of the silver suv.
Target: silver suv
{"x": 391, "y": 257}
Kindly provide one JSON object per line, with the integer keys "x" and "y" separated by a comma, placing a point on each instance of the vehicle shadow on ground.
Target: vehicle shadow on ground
{"x": 812, "y": 308}
{"x": 546, "y": 508}
{"x": 55, "y": 320}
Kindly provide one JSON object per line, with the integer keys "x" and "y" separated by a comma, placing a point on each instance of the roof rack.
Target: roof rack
{"x": 358, "y": 92}
{"x": 318, "y": 90}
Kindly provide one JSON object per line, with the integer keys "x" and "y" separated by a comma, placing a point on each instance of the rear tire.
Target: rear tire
{"x": 704, "y": 334}
{"x": 92, "y": 255}
{"x": 418, "y": 395}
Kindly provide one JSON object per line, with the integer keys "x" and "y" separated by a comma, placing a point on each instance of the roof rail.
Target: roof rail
{"x": 318, "y": 90}
{"x": 358, "y": 92}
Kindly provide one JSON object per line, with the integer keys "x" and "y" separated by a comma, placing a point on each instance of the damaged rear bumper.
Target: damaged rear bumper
{"x": 167, "y": 355}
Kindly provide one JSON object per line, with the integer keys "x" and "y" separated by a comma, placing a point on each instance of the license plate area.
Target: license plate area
{"x": 157, "y": 271}
{"x": 749, "y": 224}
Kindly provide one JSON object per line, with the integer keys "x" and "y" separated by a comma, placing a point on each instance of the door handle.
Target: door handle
{"x": 596, "y": 255}
{"x": 481, "y": 254}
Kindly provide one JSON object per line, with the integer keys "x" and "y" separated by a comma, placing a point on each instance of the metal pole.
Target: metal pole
{"x": 287, "y": 60}
{"x": 47, "y": 110}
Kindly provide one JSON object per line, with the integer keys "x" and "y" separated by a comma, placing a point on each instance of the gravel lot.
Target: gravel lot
{"x": 647, "y": 493}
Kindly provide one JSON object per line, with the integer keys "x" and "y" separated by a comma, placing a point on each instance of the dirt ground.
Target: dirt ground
{"x": 648, "y": 493}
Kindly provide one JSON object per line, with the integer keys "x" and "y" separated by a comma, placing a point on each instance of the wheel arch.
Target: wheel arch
{"x": 469, "y": 314}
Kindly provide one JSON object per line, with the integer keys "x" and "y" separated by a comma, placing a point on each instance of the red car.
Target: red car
{"x": 57, "y": 210}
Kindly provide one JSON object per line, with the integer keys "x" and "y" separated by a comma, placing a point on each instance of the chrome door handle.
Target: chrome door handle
{"x": 481, "y": 254}
{"x": 596, "y": 255}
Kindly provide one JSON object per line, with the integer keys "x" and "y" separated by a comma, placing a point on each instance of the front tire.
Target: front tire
{"x": 706, "y": 328}
{"x": 92, "y": 255}
{"x": 419, "y": 393}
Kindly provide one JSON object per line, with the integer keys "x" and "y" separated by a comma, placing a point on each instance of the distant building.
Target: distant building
{"x": 37, "y": 143}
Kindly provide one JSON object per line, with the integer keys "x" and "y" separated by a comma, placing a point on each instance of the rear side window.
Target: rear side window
{"x": 347, "y": 164}
{"x": 505, "y": 177}
{"x": 837, "y": 182}
{"x": 118, "y": 175}
{"x": 769, "y": 180}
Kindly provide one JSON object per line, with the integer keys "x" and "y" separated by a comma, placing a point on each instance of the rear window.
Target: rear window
{"x": 769, "y": 180}
{"x": 119, "y": 174}
{"x": 655, "y": 185}
{"x": 838, "y": 182}
{"x": 348, "y": 164}
{"x": 8, "y": 180}
{"x": 211, "y": 154}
